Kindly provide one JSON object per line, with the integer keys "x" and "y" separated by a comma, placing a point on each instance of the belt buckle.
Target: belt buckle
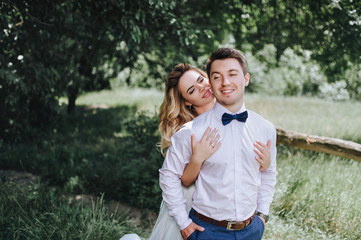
{"x": 229, "y": 225}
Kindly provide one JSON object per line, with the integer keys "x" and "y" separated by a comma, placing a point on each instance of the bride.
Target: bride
{"x": 187, "y": 95}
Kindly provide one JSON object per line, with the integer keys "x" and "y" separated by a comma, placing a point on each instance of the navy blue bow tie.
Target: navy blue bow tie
{"x": 227, "y": 118}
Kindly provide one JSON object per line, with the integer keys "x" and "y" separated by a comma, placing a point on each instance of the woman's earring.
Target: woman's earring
{"x": 189, "y": 107}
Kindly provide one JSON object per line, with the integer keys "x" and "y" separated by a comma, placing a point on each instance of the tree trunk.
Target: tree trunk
{"x": 72, "y": 95}
{"x": 334, "y": 146}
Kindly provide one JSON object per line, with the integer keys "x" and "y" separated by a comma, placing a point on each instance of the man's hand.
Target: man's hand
{"x": 190, "y": 229}
{"x": 263, "y": 220}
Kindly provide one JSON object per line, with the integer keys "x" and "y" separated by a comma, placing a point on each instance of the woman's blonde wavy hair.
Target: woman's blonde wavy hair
{"x": 173, "y": 111}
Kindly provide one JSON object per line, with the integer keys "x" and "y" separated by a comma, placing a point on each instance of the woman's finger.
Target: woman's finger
{"x": 215, "y": 140}
{"x": 260, "y": 154}
{"x": 259, "y": 146}
{"x": 206, "y": 133}
{"x": 217, "y": 146}
{"x": 211, "y": 136}
{"x": 193, "y": 140}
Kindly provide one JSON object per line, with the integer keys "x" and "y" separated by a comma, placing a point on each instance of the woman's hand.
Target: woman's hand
{"x": 263, "y": 154}
{"x": 201, "y": 151}
{"x": 208, "y": 145}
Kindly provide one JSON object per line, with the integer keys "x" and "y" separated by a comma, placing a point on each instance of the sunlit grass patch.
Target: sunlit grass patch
{"x": 319, "y": 194}
{"x": 310, "y": 115}
{"x": 142, "y": 98}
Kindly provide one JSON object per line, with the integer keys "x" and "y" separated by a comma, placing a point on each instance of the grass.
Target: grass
{"x": 141, "y": 98}
{"x": 317, "y": 195}
{"x": 35, "y": 211}
{"x": 309, "y": 115}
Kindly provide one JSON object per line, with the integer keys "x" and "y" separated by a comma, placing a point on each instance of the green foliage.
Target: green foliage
{"x": 334, "y": 91}
{"x": 330, "y": 29}
{"x": 65, "y": 48}
{"x": 352, "y": 77}
{"x": 50, "y": 49}
{"x": 141, "y": 174}
{"x": 35, "y": 211}
{"x": 293, "y": 75}
{"x": 98, "y": 151}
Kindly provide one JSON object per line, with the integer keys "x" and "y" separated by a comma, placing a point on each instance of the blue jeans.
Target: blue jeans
{"x": 254, "y": 231}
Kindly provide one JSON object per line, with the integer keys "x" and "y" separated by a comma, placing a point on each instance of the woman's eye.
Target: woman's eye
{"x": 191, "y": 91}
{"x": 201, "y": 80}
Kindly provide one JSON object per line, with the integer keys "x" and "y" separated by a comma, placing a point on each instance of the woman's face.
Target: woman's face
{"x": 195, "y": 89}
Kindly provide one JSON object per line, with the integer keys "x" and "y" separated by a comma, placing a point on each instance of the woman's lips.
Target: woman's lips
{"x": 207, "y": 94}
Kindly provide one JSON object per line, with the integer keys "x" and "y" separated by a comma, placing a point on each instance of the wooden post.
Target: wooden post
{"x": 334, "y": 146}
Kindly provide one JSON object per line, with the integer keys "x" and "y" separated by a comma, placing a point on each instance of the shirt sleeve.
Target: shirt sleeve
{"x": 177, "y": 157}
{"x": 268, "y": 178}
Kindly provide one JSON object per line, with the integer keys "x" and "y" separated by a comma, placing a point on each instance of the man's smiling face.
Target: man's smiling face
{"x": 228, "y": 83}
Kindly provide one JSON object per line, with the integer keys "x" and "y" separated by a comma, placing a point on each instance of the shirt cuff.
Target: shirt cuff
{"x": 185, "y": 224}
{"x": 263, "y": 208}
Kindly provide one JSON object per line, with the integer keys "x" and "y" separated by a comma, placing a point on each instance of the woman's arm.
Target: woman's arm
{"x": 201, "y": 151}
{"x": 263, "y": 154}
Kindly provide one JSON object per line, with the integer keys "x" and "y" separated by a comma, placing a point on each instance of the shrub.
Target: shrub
{"x": 294, "y": 74}
{"x": 141, "y": 173}
{"x": 334, "y": 91}
{"x": 353, "y": 79}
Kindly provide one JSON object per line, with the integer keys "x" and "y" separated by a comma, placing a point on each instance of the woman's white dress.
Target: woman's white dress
{"x": 165, "y": 227}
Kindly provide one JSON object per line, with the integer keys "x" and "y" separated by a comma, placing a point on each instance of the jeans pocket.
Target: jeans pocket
{"x": 261, "y": 226}
{"x": 193, "y": 236}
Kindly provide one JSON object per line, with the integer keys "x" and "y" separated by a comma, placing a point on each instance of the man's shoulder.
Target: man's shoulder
{"x": 260, "y": 121}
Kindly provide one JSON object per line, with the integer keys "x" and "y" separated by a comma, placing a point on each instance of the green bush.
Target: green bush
{"x": 141, "y": 173}
{"x": 353, "y": 79}
{"x": 295, "y": 74}
{"x": 99, "y": 151}
{"x": 334, "y": 91}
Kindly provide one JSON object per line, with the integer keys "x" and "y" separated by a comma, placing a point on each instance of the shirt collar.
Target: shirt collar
{"x": 220, "y": 109}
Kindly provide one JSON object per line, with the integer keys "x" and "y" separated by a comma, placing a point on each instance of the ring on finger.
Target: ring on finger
{"x": 212, "y": 144}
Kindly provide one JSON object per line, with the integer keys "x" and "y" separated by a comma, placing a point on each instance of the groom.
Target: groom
{"x": 232, "y": 197}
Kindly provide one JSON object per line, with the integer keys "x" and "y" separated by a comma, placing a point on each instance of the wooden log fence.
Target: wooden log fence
{"x": 342, "y": 148}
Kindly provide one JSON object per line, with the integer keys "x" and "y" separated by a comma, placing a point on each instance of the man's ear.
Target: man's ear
{"x": 246, "y": 79}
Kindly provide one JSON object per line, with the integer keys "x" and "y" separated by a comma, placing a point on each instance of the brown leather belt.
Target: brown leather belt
{"x": 230, "y": 225}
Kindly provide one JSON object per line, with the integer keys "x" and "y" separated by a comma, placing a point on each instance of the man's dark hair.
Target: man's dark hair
{"x": 224, "y": 53}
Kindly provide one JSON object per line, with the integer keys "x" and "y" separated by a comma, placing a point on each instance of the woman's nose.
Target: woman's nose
{"x": 201, "y": 87}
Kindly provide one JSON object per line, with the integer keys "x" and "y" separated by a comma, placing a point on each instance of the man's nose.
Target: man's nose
{"x": 225, "y": 81}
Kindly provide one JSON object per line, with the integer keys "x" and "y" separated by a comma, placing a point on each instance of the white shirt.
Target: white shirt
{"x": 230, "y": 185}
